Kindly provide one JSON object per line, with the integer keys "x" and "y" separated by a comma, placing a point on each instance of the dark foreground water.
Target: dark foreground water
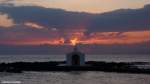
{"x": 74, "y": 77}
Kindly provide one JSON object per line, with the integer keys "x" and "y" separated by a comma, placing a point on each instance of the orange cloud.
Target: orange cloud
{"x": 33, "y": 25}
{"x": 78, "y": 37}
{"x": 110, "y": 38}
{"x": 34, "y": 41}
{"x": 6, "y": 21}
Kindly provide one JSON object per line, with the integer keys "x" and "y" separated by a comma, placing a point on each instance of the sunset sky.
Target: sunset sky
{"x": 92, "y": 6}
{"x": 66, "y": 22}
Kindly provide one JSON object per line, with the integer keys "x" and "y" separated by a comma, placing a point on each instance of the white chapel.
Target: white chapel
{"x": 75, "y": 58}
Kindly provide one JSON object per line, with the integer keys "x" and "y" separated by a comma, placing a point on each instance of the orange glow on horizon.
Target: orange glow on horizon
{"x": 98, "y": 38}
{"x": 74, "y": 41}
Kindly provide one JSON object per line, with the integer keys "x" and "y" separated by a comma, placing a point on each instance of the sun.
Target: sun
{"x": 74, "y": 41}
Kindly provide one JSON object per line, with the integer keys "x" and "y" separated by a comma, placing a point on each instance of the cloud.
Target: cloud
{"x": 6, "y": 21}
{"x": 119, "y": 20}
{"x": 33, "y": 25}
{"x": 53, "y": 18}
{"x": 38, "y": 25}
{"x": 122, "y": 20}
{"x": 33, "y": 36}
{"x": 123, "y": 38}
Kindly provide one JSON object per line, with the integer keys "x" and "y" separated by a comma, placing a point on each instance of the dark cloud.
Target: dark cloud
{"x": 122, "y": 20}
{"x": 119, "y": 20}
{"x": 49, "y": 17}
{"x": 24, "y": 33}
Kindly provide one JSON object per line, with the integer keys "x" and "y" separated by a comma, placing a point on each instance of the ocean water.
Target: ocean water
{"x": 107, "y": 58}
{"x": 75, "y": 78}
{"x": 90, "y": 77}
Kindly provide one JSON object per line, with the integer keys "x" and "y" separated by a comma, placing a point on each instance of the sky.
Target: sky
{"x": 70, "y": 22}
{"x": 92, "y": 6}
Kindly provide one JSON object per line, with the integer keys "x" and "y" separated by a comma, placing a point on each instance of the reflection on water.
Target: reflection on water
{"x": 76, "y": 78}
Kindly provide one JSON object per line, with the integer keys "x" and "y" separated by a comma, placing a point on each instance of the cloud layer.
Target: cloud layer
{"x": 33, "y": 25}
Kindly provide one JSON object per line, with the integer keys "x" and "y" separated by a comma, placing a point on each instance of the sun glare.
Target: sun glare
{"x": 74, "y": 41}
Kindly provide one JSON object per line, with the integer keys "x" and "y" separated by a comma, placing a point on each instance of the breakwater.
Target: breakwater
{"x": 119, "y": 67}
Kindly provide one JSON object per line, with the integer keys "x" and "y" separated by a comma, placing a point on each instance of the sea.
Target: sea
{"x": 74, "y": 77}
